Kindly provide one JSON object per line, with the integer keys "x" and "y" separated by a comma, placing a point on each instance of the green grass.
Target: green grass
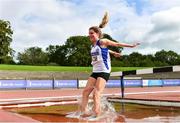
{"x": 126, "y": 68}
{"x": 58, "y": 68}
{"x": 43, "y": 68}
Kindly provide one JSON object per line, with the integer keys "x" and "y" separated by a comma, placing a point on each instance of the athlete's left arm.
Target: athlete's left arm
{"x": 107, "y": 42}
{"x": 115, "y": 54}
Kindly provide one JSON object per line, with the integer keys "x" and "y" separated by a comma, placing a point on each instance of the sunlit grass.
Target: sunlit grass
{"x": 58, "y": 68}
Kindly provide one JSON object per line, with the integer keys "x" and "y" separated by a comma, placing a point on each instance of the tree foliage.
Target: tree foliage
{"x": 75, "y": 52}
{"x": 5, "y": 40}
{"x": 33, "y": 56}
{"x": 160, "y": 58}
{"x": 78, "y": 51}
{"x": 167, "y": 57}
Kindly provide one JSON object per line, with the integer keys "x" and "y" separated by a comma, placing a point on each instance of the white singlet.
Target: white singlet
{"x": 100, "y": 59}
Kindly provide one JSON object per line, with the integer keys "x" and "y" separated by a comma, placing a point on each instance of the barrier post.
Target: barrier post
{"x": 122, "y": 86}
{"x": 162, "y": 82}
{"x": 142, "y": 83}
{"x": 77, "y": 83}
{"x": 26, "y": 84}
{"x": 53, "y": 82}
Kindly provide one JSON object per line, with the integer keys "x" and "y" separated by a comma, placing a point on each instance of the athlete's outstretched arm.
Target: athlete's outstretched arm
{"x": 115, "y": 54}
{"x": 108, "y": 42}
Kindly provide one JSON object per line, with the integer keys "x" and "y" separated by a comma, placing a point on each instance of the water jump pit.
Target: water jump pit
{"x": 111, "y": 112}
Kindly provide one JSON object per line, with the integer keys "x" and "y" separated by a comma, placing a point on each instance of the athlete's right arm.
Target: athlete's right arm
{"x": 108, "y": 42}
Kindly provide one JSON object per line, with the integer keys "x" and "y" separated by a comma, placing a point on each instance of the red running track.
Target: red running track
{"x": 147, "y": 93}
{"x": 155, "y": 93}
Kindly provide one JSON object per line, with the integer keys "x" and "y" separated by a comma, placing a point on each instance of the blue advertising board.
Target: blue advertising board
{"x": 127, "y": 83}
{"x": 171, "y": 82}
{"x": 113, "y": 83}
{"x": 20, "y": 84}
{"x": 155, "y": 82}
{"x": 12, "y": 84}
{"x": 39, "y": 84}
{"x": 133, "y": 83}
{"x": 65, "y": 84}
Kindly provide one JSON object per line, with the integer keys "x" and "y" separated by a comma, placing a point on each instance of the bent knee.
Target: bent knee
{"x": 96, "y": 92}
{"x": 87, "y": 91}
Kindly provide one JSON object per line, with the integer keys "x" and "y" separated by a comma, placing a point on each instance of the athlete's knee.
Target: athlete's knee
{"x": 86, "y": 91}
{"x": 96, "y": 93}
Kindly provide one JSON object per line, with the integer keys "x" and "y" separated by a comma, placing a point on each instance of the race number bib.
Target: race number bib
{"x": 95, "y": 55}
{"x": 94, "y": 58}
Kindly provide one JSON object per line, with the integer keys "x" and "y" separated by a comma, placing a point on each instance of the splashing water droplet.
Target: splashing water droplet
{"x": 108, "y": 113}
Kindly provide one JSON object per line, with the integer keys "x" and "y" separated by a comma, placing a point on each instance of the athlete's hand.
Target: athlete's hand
{"x": 117, "y": 54}
{"x": 135, "y": 44}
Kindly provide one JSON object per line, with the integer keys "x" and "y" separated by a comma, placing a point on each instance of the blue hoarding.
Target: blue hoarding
{"x": 113, "y": 83}
{"x": 133, "y": 83}
{"x": 12, "y": 84}
{"x": 171, "y": 82}
{"x": 65, "y": 84}
{"x": 127, "y": 83}
{"x": 39, "y": 84}
{"x": 155, "y": 82}
{"x": 30, "y": 84}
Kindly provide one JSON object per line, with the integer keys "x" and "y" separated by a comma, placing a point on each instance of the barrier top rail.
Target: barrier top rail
{"x": 121, "y": 74}
{"x": 147, "y": 71}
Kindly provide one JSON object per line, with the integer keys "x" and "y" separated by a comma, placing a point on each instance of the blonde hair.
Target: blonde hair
{"x": 104, "y": 20}
{"x": 97, "y": 29}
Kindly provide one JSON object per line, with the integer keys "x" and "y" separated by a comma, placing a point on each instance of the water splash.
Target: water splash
{"x": 108, "y": 113}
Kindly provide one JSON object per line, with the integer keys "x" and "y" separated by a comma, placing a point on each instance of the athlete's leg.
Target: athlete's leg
{"x": 99, "y": 87}
{"x": 86, "y": 92}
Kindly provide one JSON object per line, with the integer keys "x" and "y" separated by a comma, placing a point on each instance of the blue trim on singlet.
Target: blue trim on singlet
{"x": 104, "y": 52}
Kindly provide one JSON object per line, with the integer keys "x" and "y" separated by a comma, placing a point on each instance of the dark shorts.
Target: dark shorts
{"x": 102, "y": 75}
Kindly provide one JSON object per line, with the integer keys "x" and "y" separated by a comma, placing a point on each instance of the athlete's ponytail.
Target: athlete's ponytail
{"x": 104, "y": 20}
{"x": 103, "y": 23}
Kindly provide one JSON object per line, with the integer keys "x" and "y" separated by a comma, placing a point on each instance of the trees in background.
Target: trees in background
{"x": 167, "y": 58}
{"x": 57, "y": 55}
{"x": 160, "y": 58}
{"x": 6, "y": 53}
{"x": 33, "y": 56}
{"x": 76, "y": 52}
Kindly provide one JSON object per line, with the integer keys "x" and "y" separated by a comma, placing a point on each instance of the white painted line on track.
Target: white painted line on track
{"x": 154, "y": 92}
{"x": 39, "y": 104}
{"x": 78, "y": 96}
{"x": 41, "y": 98}
{"x": 65, "y": 97}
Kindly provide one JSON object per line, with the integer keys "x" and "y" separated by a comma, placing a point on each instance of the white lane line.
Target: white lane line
{"x": 72, "y": 102}
{"x": 154, "y": 92}
{"x": 78, "y": 96}
{"x": 39, "y": 104}
{"x": 40, "y": 98}
{"x": 44, "y": 98}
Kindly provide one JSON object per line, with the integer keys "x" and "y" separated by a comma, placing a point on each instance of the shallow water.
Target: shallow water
{"x": 144, "y": 113}
{"x": 112, "y": 112}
